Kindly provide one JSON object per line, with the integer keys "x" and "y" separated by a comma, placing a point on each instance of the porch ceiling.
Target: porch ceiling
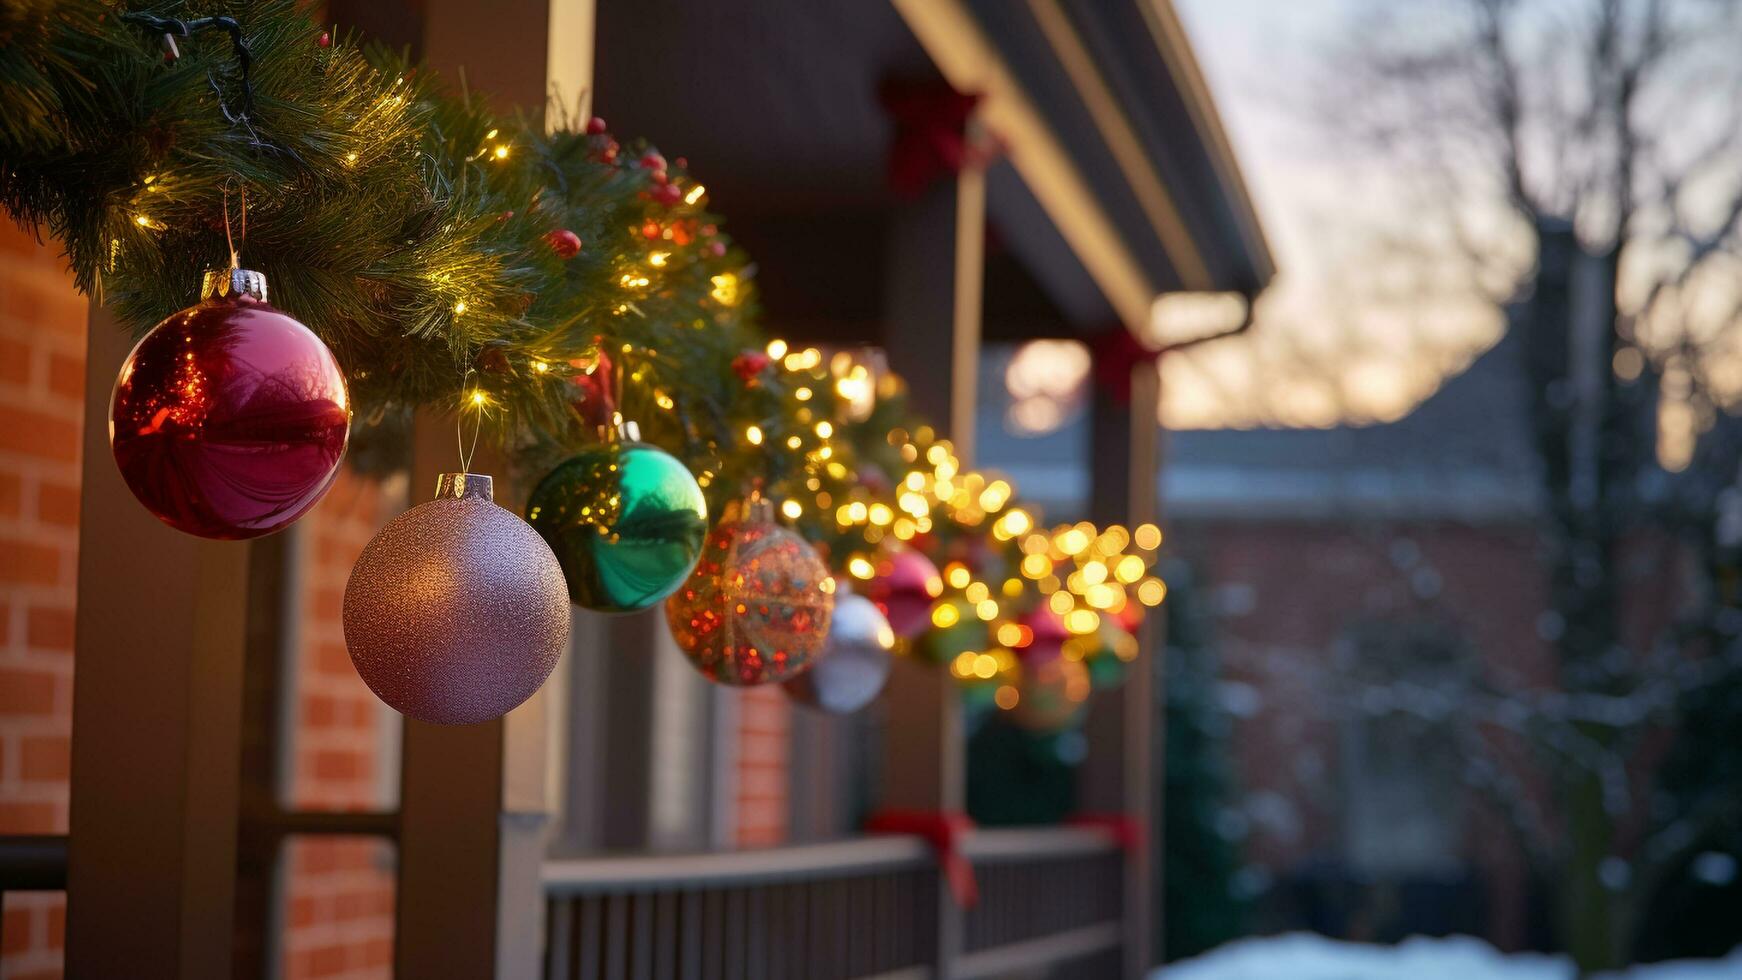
{"x": 774, "y": 103}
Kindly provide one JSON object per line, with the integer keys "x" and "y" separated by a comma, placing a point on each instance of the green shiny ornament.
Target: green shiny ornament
{"x": 626, "y": 521}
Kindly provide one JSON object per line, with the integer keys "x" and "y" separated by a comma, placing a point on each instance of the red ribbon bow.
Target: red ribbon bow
{"x": 1125, "y": 829}
{"x": 931, "y": 134}
{"x": 944, "y": 831}
{"x": 1116, "y": 354}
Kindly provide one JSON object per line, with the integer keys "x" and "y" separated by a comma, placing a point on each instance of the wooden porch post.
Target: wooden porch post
{"x": 157, "y": 706}
{"x": 474, "y": 803}
{"x": 932, "y": 333}
{"x": 1118, "y": 776}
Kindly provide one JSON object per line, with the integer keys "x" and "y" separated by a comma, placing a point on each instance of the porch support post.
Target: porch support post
{"x": 473, "y": 810}
{"x": 157, "y": 715}
{"x": 1118, "y": 776}
{"x": 932, "y": 334}
{"x": 474, "y": 802}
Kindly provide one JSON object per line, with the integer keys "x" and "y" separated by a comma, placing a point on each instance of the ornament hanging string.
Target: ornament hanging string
{"x": 475, "y": 399}
{"x": 235, "y": 261}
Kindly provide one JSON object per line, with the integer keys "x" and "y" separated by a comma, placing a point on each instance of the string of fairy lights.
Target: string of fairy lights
{"x": 1004, "y": 585}
{"x": 1093, "y": 583}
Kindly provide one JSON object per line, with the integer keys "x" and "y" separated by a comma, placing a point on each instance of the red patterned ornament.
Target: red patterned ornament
{"x": 229, "y": 418}
{"x": 757, "y": 608}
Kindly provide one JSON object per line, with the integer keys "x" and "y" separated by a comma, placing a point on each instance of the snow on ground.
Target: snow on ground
{"x": 1304, "y": 956}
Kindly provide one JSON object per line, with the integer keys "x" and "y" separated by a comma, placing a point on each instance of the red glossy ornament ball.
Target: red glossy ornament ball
{"x": 596, "y": 126}
{"x": 906, "y": 586}
{"x": 565, "y": 243}
{"x": 229, "y": 419}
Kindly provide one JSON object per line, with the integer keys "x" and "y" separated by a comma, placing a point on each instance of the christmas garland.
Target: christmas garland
{"x": 544, "y": 282}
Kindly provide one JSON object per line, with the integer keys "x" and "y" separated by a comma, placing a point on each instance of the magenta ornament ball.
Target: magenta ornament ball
{"x": 228, "y": 420}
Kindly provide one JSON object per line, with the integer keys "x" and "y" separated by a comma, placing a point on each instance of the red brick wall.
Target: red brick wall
{"x": 42, "y": 364}
{"x": 338, "y": 897}
{"x": 1291, "y": 590}
{"x": 338, "y": 903}
{"x": 764, "y": 750}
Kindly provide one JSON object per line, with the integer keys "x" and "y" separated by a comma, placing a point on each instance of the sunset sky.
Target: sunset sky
{"x": 1324, "y": 349}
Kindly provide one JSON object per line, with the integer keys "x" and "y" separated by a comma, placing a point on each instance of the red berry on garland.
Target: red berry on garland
{"x": 325, "y": 40}
{"x": 493, "y": 360}
{"x": 750, "y": 365}
{"x": 565, "y": 243}
{"x": 595, "y": 126}
{"x": 683, "y": 163}
{"x": 660, "y": 177}
{"x": 668, "y": 194}
{"x": 652, "y": 161}
{"x": 229, "y": 418}
{"x": 650, "y": 230}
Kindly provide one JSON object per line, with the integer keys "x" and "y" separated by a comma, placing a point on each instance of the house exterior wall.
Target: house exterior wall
{"x": 1291, "y": 597}
{"x": 42, "y": 372}
{"x": 338, "y": 891}
{"x": 338, "y": 898}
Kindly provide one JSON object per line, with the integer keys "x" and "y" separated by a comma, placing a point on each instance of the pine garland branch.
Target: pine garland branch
{"x": 424, "y": 238}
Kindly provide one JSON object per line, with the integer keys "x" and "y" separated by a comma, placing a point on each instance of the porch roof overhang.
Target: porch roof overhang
{"x": 1112, "y": 130}
{"x": 1118, "y": 184}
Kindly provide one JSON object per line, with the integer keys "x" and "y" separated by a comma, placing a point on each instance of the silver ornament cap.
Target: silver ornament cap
{"x": 233, "y": 283}
{"x": 457, "y": 611}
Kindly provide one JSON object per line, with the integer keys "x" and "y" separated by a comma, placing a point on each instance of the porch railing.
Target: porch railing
{"x": 873, "y": 907}
{"x": 32, "y": 863}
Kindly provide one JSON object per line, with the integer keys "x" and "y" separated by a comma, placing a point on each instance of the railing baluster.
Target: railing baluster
{"x": 641, "y": 924}
{"x": 735, "y": 937}
{"x": 665, "y": 941}
{"x": 690, "y": 925}
{"x": 714, "y": 935}
{"x": 589, "y": 938}
{"x": 617, "y": 937}
{"x": 559, "y": 938}
{"x": 756, "y": 931}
